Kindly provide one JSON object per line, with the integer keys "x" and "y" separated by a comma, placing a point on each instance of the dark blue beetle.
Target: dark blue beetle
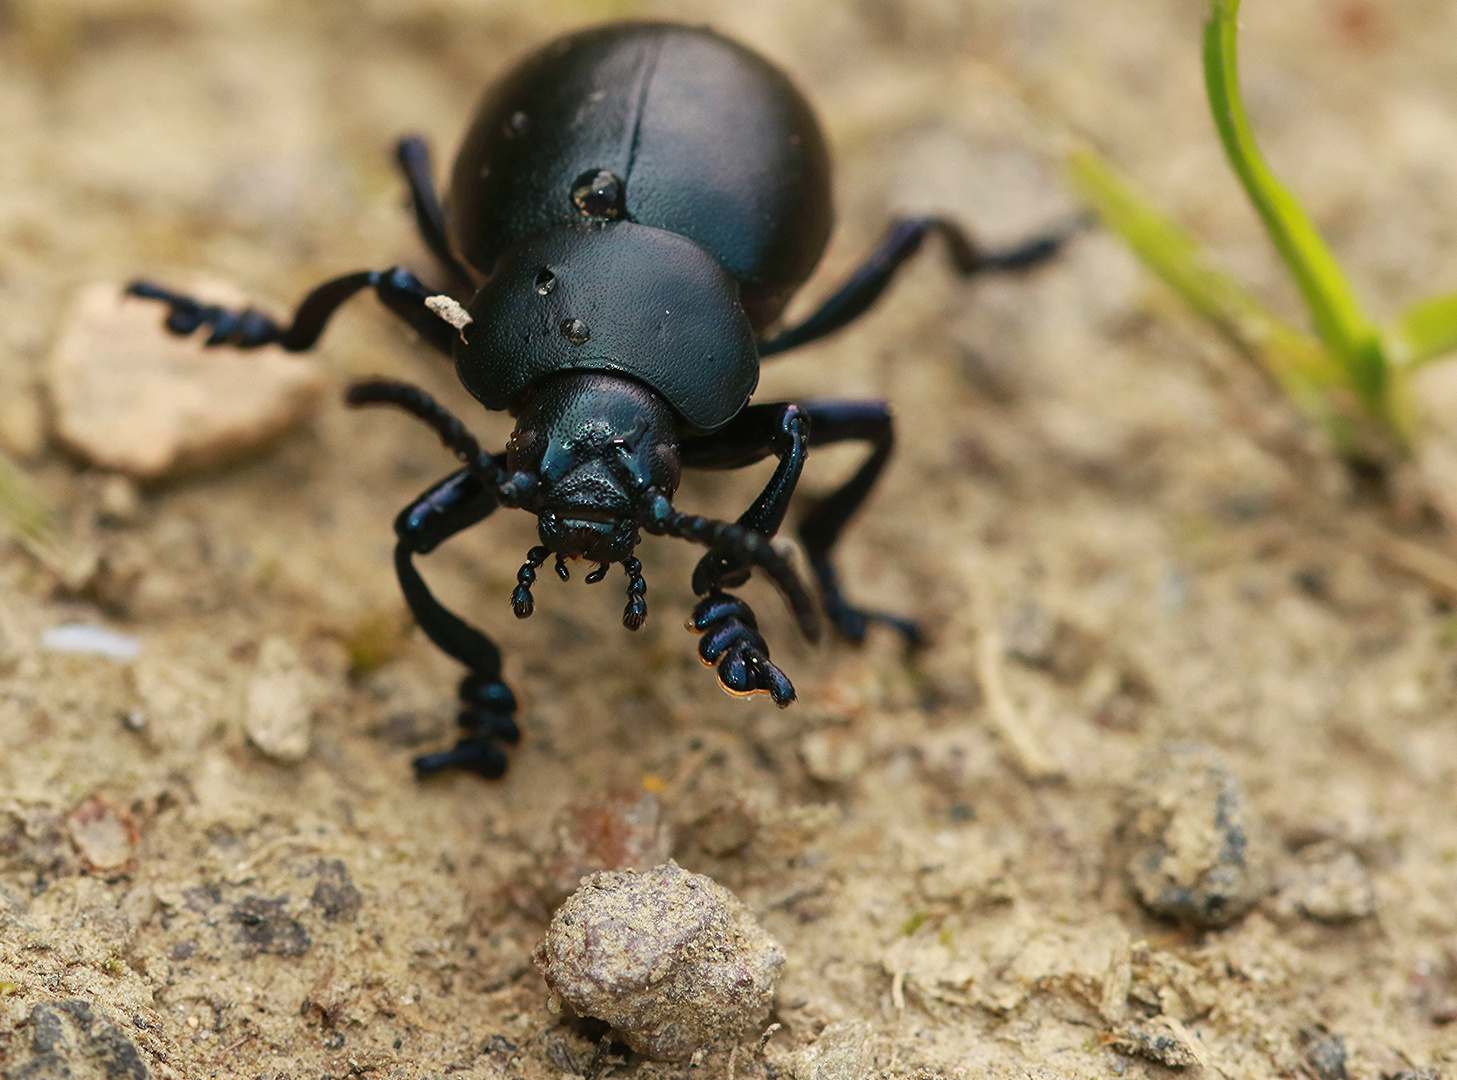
{"x": 631, "y": 210}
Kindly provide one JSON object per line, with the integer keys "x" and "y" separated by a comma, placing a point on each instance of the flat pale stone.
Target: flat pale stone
{"x": 130, "y": 397}
{"x": 278, "y": 710}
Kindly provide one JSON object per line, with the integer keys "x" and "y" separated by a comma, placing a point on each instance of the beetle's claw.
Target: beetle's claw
{"x": 732, "y": 644}
{"x": 851, "y": 623}
{"x": 636, "y": 611}
{"x": 486, "y": 718}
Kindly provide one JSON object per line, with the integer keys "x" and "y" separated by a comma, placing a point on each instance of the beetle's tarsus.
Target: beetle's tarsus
{"x": 740, "y": 543}
{"x": 732, "y": 645}
{"x": 636, "y": 612}
{"x": 851, "y": 622}
{"x": 473, "y": 755}
{"x": 247, "y": 328}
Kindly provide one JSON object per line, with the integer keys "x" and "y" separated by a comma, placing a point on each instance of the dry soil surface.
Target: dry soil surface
{"x": 1117, "y": 539}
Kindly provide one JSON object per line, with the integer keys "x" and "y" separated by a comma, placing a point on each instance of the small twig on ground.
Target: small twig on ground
{"x": 1006, "y": 719}
{"x": 1431, "y": 567}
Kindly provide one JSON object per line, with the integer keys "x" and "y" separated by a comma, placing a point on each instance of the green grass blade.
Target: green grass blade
{"x": 1424, "y": 331}
{"x": 22, "y": 511}
{"x": 1292, "y": 357}
{"x": 1339, "y": 319}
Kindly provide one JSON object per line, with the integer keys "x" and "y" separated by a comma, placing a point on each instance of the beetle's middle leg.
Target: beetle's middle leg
{"x": 831, "y": 422}
{"x": 487, "y": 705}
{"x": 731, "y": 639}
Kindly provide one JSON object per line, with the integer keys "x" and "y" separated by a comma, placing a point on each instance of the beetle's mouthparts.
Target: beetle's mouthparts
{"x": 523, "y": 604}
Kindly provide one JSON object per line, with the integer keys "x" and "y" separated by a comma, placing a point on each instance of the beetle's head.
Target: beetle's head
{"x": 597, "y": 444}
{"x": 596, "y": 458}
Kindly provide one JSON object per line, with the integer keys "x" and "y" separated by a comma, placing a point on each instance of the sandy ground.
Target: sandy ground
{"x": 934, "y": 839}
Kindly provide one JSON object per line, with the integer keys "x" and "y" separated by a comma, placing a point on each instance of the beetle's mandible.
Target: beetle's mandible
{"x": 630, "y": 212}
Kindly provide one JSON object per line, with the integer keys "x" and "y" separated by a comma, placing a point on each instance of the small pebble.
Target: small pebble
{"x": 1041, "y": 639}
{"x": 842, "y": 1052}
{"x": 1326, "y": 1056}
{"x": 278, "y": 710}
{"x": 1328, "y": 884}
{"x": 120, "y": 502}
{"x": 131, "y": 398}
{"x": 83, "y": 639}
{"x": 672, "y": 961}
{"x": 104, "y": 838}
{"x": 1161, "y": 1039}
{"x": 1193, "y": 852}
{"x": 22, "y": 423}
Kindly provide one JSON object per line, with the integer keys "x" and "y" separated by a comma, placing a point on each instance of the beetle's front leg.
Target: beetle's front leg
{"x": 248, "y": 328}
{"x": 731, "y": 640}
{"x": 487, "y": 705}
{"x": 757, "y": 432}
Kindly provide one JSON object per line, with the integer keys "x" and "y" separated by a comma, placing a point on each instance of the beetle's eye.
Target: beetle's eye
{"x": 545, "y": 281}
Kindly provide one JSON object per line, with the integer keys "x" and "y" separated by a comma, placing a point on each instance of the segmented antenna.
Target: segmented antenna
{"x": 521, "y": 602}
{"x": 731, "y": 539}
{"x": 511, "y": 490}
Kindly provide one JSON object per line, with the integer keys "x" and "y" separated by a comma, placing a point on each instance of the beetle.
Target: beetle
{"x": 630, "y": 211}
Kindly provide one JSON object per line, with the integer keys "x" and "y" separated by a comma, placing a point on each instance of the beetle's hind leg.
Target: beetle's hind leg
{"x": 414, "y": 158}
{"x": 487, "y": 705}
{"x": 838, "y": 421}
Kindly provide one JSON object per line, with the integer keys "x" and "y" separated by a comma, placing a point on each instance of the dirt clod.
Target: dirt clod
{"x": 671, "y": 960}
{"x": 1328, "y": 884}
{"x": 335, "y": 895}
{"x": 72, "y": 1038}
{"x": 1192, "y": 850}
{"x": 265, "y": 927}
{"x": 1040, "y": 638}
{"x": 622, "y": 830}
{"x": 1161, "y": 1039}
